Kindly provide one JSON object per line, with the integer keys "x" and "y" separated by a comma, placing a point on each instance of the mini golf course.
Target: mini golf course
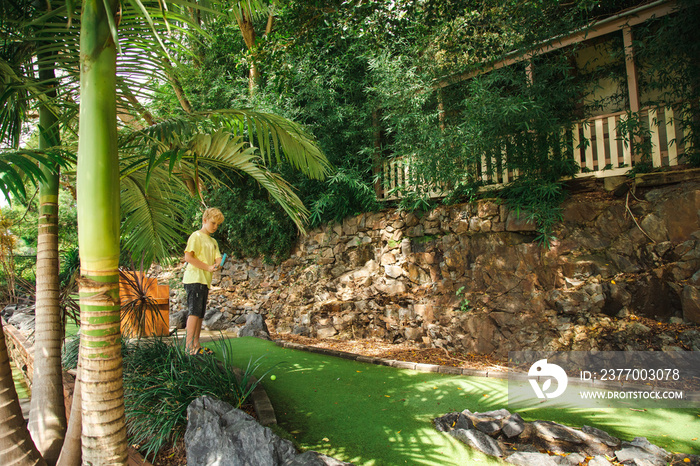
{"x": 378, "y": 415}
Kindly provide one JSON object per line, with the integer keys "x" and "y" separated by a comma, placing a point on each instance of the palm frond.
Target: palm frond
{"x": 148, "y": 33}
{"x": 251, "y": 9}
{"x": 20, "y": 166}
{"x": 226, "y": 150}
{"x": 277, "y": 136}
{"x": 189, "y": 146}
{"x": 150, "y": 226}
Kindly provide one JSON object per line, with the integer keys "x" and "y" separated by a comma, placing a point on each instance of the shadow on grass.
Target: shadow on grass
{"x": 377, "y": 415}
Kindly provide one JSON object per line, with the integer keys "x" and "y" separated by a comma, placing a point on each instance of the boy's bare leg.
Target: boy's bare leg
{"x": 192, "y": 329}
{"x": 198, "y": 331}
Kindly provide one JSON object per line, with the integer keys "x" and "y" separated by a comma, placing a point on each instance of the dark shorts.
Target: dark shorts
{"x": 197, "y": 295}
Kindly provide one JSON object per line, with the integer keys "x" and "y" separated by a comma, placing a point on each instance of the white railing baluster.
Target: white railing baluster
{"x": 671, "y": 136}
{"x": 612, "y": 143}
{"x": 494, "y": 167}
{"x": 392, "y": 175}
{"x": 687, "y": 145}
{"x": 575, "y": 141}
{"x": 655, "y": 138}
{"x": 626, "y": 148}
{"x": 406, "y": 175}
{"x": 600, "y": 143}
{"x": 589, "y": 146}
{"x": 385, "y": 184}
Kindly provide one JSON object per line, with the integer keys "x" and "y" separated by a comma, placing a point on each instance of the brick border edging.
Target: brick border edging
{"x": 263, "y": 406}
{"x": 261, "y": 402}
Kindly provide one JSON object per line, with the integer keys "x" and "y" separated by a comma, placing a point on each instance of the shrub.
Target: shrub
{"x": 161, "y": 379}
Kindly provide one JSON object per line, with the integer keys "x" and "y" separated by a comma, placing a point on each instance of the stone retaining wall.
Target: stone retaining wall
{"x": 622, "y": 274}
{"x": 20, "y": 351}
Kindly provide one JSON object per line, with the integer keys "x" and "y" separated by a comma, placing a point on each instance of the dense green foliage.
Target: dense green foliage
{"x": 445, "y": 132}
{"x": 376, "y": 80}
{"x": 254, "y": 226}
{"x": 379, "y": 80}
{"x": 20, "y": 221}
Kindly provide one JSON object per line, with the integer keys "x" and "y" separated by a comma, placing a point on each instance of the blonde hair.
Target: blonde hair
{"x": 212, "y": 213}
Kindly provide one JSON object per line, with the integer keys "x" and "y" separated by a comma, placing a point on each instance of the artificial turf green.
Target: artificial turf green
{"x": 378, "y": 415}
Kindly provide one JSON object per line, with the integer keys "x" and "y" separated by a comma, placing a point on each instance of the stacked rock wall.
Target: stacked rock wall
{"x": 622, "y": 274}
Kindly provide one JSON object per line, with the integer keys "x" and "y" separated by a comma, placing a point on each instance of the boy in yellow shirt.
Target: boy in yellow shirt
{"x": 203, "y": 257}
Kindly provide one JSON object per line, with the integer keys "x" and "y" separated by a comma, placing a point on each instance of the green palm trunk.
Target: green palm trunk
{"x": 104, "y": 431}
{"x": 47, "y": 419}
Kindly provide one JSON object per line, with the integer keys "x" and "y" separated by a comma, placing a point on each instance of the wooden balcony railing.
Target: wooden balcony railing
{"x": 599, "y": 149}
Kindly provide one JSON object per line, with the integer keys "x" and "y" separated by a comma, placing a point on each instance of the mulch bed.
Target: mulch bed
{"x": 401, "y": 352}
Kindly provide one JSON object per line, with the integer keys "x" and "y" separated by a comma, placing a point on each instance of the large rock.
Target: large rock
{"x": 215, "y": 319}
{"x": 513, "y": 425}
{"x": 8, "y": 310}
{"x": 690, "y": 302}
{"x": 680, "y": 213}
{"x": 22, "y": 318}
{"x": 479, "y": 440}
{"x": 641, "y": 451}
{"x": 531, "y": 459}
{"x": 489, "y": 422}
{"x": 178, "y": 318}
{"x": 218, "y": 434}
{"x": 255, "y": 327}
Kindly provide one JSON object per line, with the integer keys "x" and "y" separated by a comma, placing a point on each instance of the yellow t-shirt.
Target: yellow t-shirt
{"x": 206, "y": 249}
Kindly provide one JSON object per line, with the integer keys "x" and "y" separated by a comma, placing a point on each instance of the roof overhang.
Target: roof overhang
{"x": 617, "y": 22}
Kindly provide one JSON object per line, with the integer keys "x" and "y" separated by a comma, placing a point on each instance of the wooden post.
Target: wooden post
{"x": 529, "y": 73}
{"x": 441, "y": 108}
{"x": 632, "y": 82}
{"x": 631, "y": 67}
{"x": 377, "y": 155}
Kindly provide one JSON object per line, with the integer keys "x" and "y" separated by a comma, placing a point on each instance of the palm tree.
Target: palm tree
{"x": 104, "y": 434}
{"x": 47, "y": 420}
{"x": 16, "y": 446}
{"x": 103, "y": 426}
